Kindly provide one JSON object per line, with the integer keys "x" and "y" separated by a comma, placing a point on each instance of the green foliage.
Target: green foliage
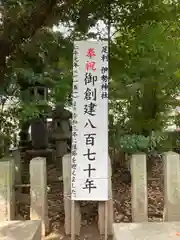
{"x": 145, "y": 76}
{"x": 46, "y": 60}
{"x": 8, "y": 128}
{"x": 156, "y": 142}
{"x": 142, "y": 81}
{"x": 134, "y": 143}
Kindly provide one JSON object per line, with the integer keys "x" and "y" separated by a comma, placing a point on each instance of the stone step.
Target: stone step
{"x": 146, "y": 231}
{"x": 20, "y": 230}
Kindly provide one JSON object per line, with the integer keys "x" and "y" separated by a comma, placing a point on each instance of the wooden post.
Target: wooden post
{"x": 72, "y": 220}
{"x": 106, "y": 206}
{"x": 71, "y": 208}
{"x": 106, "y": 221}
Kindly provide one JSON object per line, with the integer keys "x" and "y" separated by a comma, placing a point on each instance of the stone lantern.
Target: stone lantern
{"x": 61, "y": 133}
{"x": 39, "y": 132}
{"x": 37, "y": 93}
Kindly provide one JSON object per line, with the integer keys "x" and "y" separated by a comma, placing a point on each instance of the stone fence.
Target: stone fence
{"x": 140, "y": 228}
{"x": 171, "y": 163}
{"x": 25, "y": 230}
{"x": 10, "y": 172}
{"x": 10, "y": 179}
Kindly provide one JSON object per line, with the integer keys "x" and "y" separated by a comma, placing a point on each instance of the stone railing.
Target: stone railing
{"x": 10, "y": 178}
{"x": 140, "y": 228}
{"x": 27, "y": 230}
{"x": 171, "y": 162}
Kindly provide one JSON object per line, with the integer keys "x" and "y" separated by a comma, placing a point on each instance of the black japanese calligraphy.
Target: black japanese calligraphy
{"x": 104, "y": 58}
{"x": 76, "y": 63}
{"x": 104, "y": 95}
{"x": 73, "y": 191}
{"x": 75, "y": 87}
{"x": 74, "y": 122}
{"x": 74, "y": 134}
{"x": 89, "y": 123}
{"x": 104, "y": 78}
{"x": 73, "y": 178}
{"x": 89, "y": 137}
{"x": 90, "y": 94}
{"x": 104, "y": 86}
{"x": 74, "y": 166}
{"x": 104, "y": 70}
{"x": 90, "y": 109}
{"x": 91, "y": 156}
{"x": 73, "y": 172}
{"x": 74, "y": 115}
{"x": 105, "y": 49}
{"x": 89, "y": 78}
{"x": 74, "y": 153}
{"x": 89, "y": 169}
{"x": 73, "y": 160}
{"x": 89, "y": 184}
{"x": 74, "y": 146}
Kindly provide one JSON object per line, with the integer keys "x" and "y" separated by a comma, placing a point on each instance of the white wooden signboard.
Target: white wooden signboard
{"x": 89, "y": 161}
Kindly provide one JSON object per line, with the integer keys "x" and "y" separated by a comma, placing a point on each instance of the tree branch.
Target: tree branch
{"x": 27, "y": 26}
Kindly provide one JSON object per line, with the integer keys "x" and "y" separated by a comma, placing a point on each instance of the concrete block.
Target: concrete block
{"x": 171, "y": 186}
{"x": 38, "y": 193}
{"x": 139, "y": 188}
{"x": 146, "y": 230}
{"x": 17, "y": 164}
{"x": 20, "y": 230}
{"x": 7, "y": 194}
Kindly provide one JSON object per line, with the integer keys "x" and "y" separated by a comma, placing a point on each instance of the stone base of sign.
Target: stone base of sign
{"x": 171, "y": 186}
{"x": 139, "y": 188}
{"x": 67, "y": 198}
{"x": 38, "y": 193}
{"x": 146, "y": 230}
{"x": 110, "y": 209}
{"x": 25, "y": 230}
{"x": 7, "y": 194}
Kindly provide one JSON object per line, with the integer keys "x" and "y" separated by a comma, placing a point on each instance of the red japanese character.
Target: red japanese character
{"x": 90, "y": 66}
{"x": 91, "y": 52}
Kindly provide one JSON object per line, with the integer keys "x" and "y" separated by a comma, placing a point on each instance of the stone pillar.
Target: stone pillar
{"x": 110, "y": 211}
{"x": 139, "y": 188}
{"x": 24, "y": 135}
{"x": 38, "y": 193}
{"x": 61, "y": 133}
{"x": 67, "y": 198}
{"x": 17, "y": 162}
{"x": 7, "y": 197}
{"x": 39, "y": 134}
{"x": 61, "y": 150}
{"x": 171, "y": 186}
